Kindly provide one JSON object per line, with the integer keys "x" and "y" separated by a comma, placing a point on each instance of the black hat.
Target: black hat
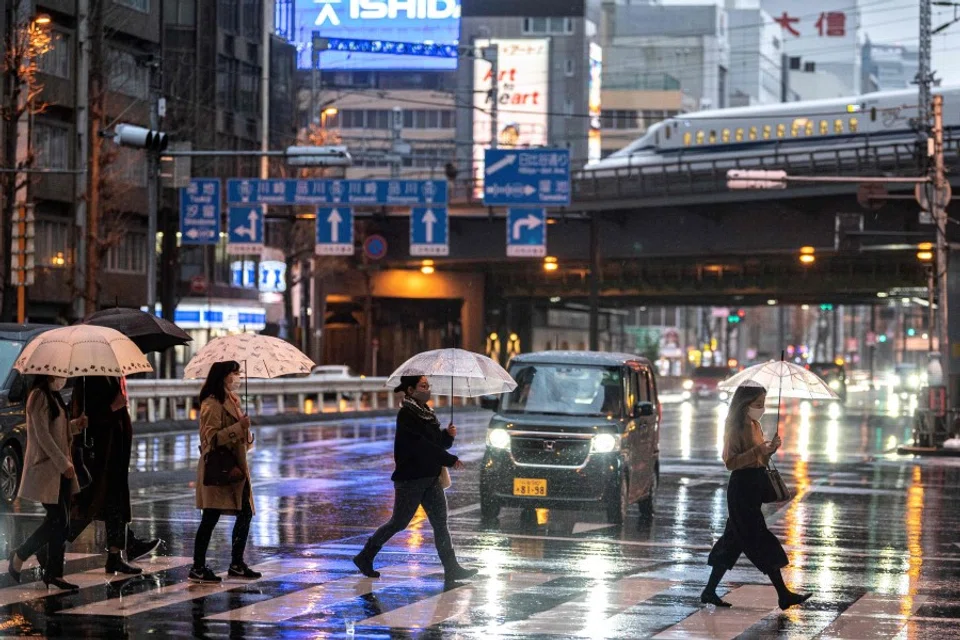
{"x": 406, "y": 382}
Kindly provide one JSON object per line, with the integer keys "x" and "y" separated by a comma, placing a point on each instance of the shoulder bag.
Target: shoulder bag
{"x": 775, "y": 489}
{"x": 220, "y": 467}
{"x": 445, "y": 481}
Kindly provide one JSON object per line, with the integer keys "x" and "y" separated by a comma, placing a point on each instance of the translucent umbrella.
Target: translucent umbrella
{"x": 783, "y": 378}
{"x": 465, "y": 373}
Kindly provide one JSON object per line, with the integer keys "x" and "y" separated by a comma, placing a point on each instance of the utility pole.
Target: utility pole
{"x": 943, "y": 248}
{"x": 97, "y": 105}
{"x": 491, "y": 53}
{"x": 81, "y": 151}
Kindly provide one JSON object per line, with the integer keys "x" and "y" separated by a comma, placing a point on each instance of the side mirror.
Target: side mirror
{"x": 18, "y": 388}
{"x": 645, "y": 409}
{"x": 490, "y": 402}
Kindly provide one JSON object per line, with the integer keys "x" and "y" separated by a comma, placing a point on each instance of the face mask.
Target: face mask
{"x": 421, "y": 396}
{"x": 234, "y": 383}
{"x": 755, "y": 414}
{"x": 56, "y": 384}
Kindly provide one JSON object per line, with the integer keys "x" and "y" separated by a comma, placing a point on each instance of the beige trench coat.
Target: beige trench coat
{"x": 220, "y": 425}
{"x": 48, "y": 452}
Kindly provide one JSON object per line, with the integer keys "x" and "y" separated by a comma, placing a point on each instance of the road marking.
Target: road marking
{"x": 874, "y": 616}
{"x": 86, "y": 579}
{"x": 584, "y": 527}
{"x": 185, "y": 591}
{"x": 588, "y": 613}
{"x": 315, "y": 599}
{"x": 457, "y": 604}
{"x": 751, "y": 604}
{"x": 462, "y": 510}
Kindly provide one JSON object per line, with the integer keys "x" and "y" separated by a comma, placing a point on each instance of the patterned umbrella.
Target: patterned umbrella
{"x": 783, "y": 378}
{"x": 260, "y": 357}
{"x": 147, "y": 331}
{"x": 464, "y": 373}
{"x": 82, "y": 350}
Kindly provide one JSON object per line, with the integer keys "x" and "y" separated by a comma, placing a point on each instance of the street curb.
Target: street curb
{"x": 177, "y": 426}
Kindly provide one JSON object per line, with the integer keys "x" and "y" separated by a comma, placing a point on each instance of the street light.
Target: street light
{"x": 42, "y": 20}
{"x": 426, "y": 267}
{"x": 925, "y": 252}
{"x": 807, "y": 255}
{"x": 550, "y": 264}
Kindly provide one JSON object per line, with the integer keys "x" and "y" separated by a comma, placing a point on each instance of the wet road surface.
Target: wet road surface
{"x": 874, "y": 535}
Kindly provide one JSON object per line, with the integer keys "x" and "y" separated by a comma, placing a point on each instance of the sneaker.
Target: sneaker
{"x": 243, "y": 571}
{"x": 204, "y": 575}
{"x": 139, "y": 548}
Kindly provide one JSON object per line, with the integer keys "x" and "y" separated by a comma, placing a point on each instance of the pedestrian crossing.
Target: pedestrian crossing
{"x": 324, "y": 593}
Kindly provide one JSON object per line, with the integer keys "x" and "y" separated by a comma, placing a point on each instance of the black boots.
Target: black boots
{"x": 116, "y": 564}
{"x": 709, "y": 594}
{"x": 785, "y": 597}
{"x": 364, "y": 560}
{"x": 456, "y": 573}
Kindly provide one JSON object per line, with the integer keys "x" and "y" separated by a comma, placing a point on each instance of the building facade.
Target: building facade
{"x": 756, "y": 58}
{"x": 889, "y": 67}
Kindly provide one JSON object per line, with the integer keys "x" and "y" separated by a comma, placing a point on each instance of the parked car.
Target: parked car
{"x": 581, "y": 429}
{"x": 13, "y": 437}
{"x": 702, "y": 385}
{"x": 834, "y": 375}
{"x": 333, "y": 373}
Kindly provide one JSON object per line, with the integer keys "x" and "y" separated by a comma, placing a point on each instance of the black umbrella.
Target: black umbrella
{"x": 147, "y": 331}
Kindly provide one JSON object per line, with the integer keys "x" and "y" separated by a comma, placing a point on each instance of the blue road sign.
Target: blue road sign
{"x": 200, "y": 212}
{"x": 526, "y": 232}
{"x": 245, "y": 229}
{"x": 334, "y": 231}
{"x": 429, "y": 231}
{"x": 289, "y": 191}
{"x": 526, "y": 177}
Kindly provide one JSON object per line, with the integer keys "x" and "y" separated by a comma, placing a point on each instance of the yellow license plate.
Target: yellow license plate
{"x": 529, "y": 487}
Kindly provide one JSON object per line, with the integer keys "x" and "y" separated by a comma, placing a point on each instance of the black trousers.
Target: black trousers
{"x": 241, "y": 531}
{"x": 746, "y": 530}
{"x": 408, "y": 496}
{"x": 51, "y": 533}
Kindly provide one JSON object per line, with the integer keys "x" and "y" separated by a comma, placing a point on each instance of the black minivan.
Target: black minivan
{"x": 581, "y": 429}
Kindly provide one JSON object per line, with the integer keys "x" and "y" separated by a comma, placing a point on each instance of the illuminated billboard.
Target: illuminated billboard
{"x": 522, "y": 90}
{"x": 594, "y": 146}
{"x": 423, "y": 21}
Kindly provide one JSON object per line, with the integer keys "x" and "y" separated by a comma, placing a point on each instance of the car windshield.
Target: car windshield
{"x": 574, "y": 390}
{"x": 9, "y": 350}
{"x": 711, "y": 372}
{"x": 827, "y": 371}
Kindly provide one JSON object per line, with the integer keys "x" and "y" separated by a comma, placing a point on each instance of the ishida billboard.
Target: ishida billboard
{"x": 522, "y": 90}
{"x": 432, "y": 21}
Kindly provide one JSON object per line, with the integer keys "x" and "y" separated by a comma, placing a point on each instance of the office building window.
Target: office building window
{"x": 570, "y": 67}
{"x": 554, "y": 26}
{"x": 139, "y": 5}
{"x": 251, "y": 18}
{"x": 620, "y": 119}
{"x": 59, "y": 59}
{"x": 50, "y": 146}
{"x": 249, "y": 94}
{"x": 180, "y": 12}
{"x": 129, "y": 255}
{"x": 52, "y": 243}
{"x": 228, "y": 17}
{"x": 126, "y": 76}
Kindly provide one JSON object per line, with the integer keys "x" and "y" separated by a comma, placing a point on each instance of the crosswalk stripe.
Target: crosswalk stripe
{"x": 874, "y": 616}
{"x": 315, "y": 599}
{"x": 184, "y": 591}
{"x": 751, "y": 604}
{"x": 85, "y": 580}
{"x": 589, "y": 612}
{"x": 454, "y": 604}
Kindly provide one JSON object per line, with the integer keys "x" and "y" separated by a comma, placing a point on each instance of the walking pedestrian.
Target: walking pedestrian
{"x": 48, "y": 478}
{"x": 223, "y": 424}
{"x": 107, "y": 498}
{"x": 746, "y": 453}
{"x": 420, "y": 453}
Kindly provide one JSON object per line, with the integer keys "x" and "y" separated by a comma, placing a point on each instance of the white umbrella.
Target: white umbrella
{"x": 464, "y": 373}
{"x": 783, "y": 378}
{"x": 261, "y": 357}
{"x": 82, "y": 350}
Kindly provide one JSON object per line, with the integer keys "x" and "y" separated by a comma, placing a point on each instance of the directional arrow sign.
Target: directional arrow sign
{"x": 245, "y": 230}
{"x": 429, "y": 231}
{"x": 334, "y": 231}
{"x": 200, "y": 212}
{"x": 509, "y": 159}
{"x": 526, "y": 177}
{"x": 526, "y": 233}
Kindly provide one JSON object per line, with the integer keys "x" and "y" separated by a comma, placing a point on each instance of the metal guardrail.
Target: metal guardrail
{"x": 154, "y": 400}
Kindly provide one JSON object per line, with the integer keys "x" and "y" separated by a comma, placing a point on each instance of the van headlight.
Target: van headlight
{"x": 913, "y": 381}
{"x": 688, "y": 384}
{"x": 834, "y": 384}
{"x": 498, "y": 438}
{"x": 724, "y": 396}
{"x": 604, "y": 443}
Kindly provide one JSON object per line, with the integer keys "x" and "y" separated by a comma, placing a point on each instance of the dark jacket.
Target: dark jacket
{"x": 111, "y": 435}
{"x": 420, "y": 448}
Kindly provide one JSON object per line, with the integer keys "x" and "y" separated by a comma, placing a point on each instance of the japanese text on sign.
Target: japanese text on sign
{"x": 831, "y": 24}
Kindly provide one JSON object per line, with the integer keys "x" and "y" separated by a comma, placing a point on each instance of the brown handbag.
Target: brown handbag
{"x": 220, "y": 467}
{"x": 775, "y": 489}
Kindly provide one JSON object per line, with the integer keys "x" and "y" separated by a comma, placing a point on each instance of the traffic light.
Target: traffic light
{"x": 735, "y": 318}
{"x": 129, "y": 135}
{"x": 848, "y": 228}
{"x": 318, "y": 157}
{"x": 826, "y": 307}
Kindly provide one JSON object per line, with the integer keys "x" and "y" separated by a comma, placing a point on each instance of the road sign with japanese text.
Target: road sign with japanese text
{"x": 334, "y": 231}
{"x": 200, "y": 212}
{"x": 429, "y": 231}
{"x": 526, "y": 177}
{"x": 526, "y": 232}
{"x": 245, "y": 229}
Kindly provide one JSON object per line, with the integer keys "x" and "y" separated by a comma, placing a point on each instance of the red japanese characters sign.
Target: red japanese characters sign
{"x": 832, "y": 24}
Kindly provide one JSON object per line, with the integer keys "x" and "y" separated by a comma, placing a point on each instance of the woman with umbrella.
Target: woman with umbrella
{"x": 48, "y": 478}
{"x": 746, "y": 453}
{"x": 420, "y": 453}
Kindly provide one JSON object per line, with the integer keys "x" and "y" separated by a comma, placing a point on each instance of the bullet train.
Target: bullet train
{"x": 739, "y": 134}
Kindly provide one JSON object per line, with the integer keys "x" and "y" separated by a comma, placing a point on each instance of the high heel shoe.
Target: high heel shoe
{"x": 793, "y": 599}
{"x": 13, "y": 572}
{"x": 60, "y": 583}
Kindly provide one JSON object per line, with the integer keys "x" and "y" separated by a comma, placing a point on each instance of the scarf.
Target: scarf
{"x": 422, "y": 411}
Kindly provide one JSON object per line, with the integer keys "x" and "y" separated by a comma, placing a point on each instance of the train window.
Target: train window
{"x": 838, "y": 126}
{"x": 766, "y": 132}
{"x": 824, "y": 127}
{"x": 738, "y": 136}
{"x": 753, "y": 133}
{"x": 781, "y": 130}
{"x": 725, "y": 135}
{"x": 687, "y": 139}
{"x": 666, "y": 132}
{"x": 699, "y": 137}
{"x": 713, "y": 137}
{"x": 809, "y": 127}
{"x": 873, "y": 114}
{"x": 794, "y": 130}
{"x": 853, "y": 125}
